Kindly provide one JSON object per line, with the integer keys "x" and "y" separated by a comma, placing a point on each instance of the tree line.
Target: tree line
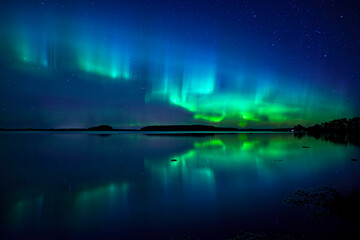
{"x": 343, "y": 124}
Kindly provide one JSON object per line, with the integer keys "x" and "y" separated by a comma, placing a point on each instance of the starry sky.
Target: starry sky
{"x": 262, "y": 63}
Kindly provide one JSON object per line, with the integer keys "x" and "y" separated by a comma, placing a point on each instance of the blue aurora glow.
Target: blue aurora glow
{"x": 133, "y": 64}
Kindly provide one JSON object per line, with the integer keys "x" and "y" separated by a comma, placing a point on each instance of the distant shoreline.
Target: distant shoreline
{"x": 344, "y": 125}
{"x": 158, "y": 128}
{"x": 139, "y": 130}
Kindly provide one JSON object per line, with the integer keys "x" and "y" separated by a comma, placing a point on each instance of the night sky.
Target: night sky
{"x": 239, "y": 63}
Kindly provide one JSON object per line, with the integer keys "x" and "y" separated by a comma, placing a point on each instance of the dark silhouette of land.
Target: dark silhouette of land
{"x": 186, "y": 128}
{"x": 159, "y": 128}
{"x": 96, "y": 128}
{"x": 187, "y": 134}
{"x": 101, "y": 128}
{"x": 204, "y": 128}
{"x": 341, "y": 131}
{"x": 338, "y": 126}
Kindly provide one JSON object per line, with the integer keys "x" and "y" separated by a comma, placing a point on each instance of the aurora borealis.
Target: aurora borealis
{"x": 136, "y": 63}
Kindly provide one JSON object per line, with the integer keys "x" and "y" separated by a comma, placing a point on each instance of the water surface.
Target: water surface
{"x": 128, "y": 185}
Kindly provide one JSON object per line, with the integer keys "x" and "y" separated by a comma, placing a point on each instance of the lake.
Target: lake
{"x": 132, "y": 185}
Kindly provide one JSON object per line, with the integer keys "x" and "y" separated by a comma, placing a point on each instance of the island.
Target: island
{"x": 344, "y": 125}
{"x": 101, "y": 128}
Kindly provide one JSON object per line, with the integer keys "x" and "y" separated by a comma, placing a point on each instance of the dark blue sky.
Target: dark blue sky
{"x": 135, "y": 63}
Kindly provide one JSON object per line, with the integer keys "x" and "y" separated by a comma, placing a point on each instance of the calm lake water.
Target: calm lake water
{"x": 71, "y": 185}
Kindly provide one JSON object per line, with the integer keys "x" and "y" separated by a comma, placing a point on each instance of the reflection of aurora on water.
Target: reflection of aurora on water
{"x": 121, "y": 189}
{"x": 242, "y": 155}
{"x": 102, "y": 199}
{"x": 99, "y": 202}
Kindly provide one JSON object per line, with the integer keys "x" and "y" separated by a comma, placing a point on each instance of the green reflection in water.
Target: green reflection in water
{"x": 96, "y": 206}
{"x": 210, "y": 172}
{"x": 209, "y": 143}
{"x": 101, "y": 200}
{"x": 241, "y": 147}
{"x": 89, "y": 206}
{"x": 267, "y": 158}
{"x": 25, "y": 210}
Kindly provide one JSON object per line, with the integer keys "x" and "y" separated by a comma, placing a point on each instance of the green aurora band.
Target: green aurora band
{"x": 186, "y": 77}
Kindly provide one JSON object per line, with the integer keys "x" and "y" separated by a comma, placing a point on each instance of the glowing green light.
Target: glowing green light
{"x": 97, "y": 57}
{"x": 101, "y": 69}
{"x": 210, "y": 143}
{"x": 209, "y": 117}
